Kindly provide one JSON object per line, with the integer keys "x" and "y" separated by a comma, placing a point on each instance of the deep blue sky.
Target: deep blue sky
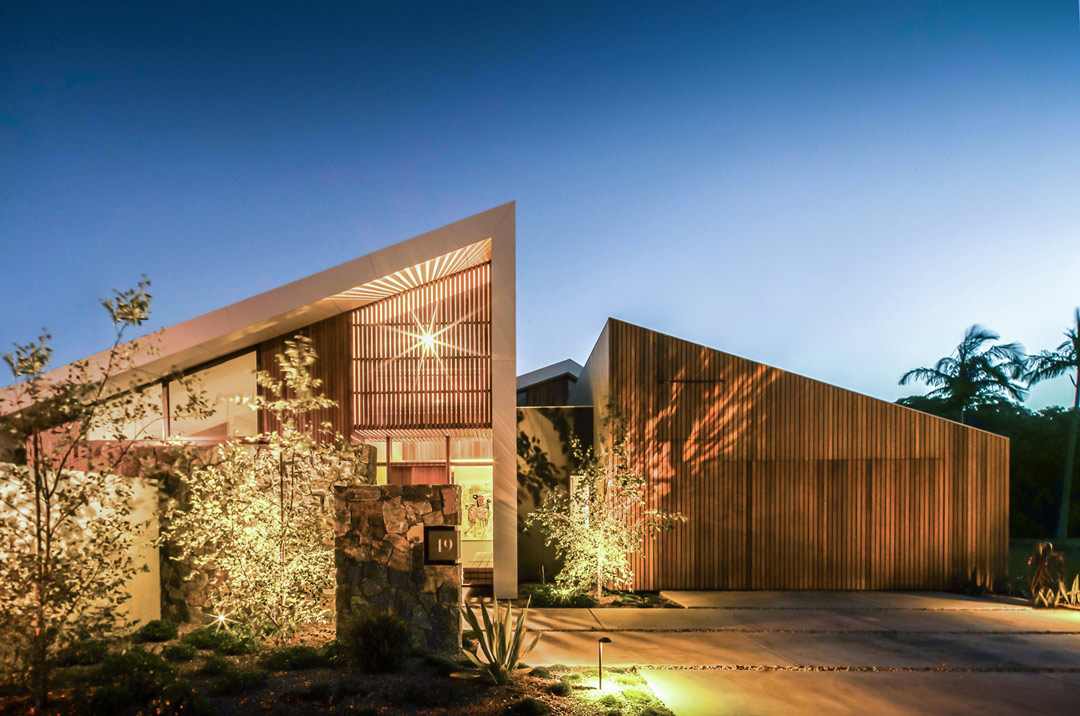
{"x": 838, "y": 189}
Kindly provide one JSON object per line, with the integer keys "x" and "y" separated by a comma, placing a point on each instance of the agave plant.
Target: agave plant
{"x": 501, "y": 641}
{"x": 1047, "y": 597}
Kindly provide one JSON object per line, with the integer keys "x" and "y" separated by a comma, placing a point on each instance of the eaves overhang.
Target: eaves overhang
{"x": 454, "y": 247}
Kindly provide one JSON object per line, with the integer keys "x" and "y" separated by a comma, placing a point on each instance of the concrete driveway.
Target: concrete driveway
{"x": 841, "y": 652}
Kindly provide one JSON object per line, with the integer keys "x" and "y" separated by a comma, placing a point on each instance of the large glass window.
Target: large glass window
{"x": 131, "y": 417}
{"x": 222, "y": 384}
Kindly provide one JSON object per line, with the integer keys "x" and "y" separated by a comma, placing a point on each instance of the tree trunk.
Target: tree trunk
{"x": 1070, "y": 455}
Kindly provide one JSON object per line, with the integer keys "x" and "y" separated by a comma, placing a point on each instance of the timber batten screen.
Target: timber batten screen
{"x": 790, "y": 483}
{"x": 422, "y": 358}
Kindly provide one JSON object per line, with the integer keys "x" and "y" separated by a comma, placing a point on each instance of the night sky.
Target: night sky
{"x": 837, "y": 189}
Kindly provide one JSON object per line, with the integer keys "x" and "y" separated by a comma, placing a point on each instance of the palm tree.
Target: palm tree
{"x": 971, "y": 374}
{"x": 1044, "y": 366}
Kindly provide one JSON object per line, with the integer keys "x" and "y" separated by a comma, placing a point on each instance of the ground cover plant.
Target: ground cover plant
{"x": 625, "y": 691}
{"x": 552, "y": 595}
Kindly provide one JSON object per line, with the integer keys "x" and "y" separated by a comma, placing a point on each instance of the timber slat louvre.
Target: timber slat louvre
{"x": 400, "y": 386}
{"x": 790, "y": 483}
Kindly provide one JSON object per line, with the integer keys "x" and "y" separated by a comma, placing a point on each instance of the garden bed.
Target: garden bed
{"x": 212, "y": 672}
{"x": 550, "y": 595}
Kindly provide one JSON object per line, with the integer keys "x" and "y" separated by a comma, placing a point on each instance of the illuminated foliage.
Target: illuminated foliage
{"x": 602, "y": 520}
{"x": 257, "y": 519}
{"x": 67, "y": 530}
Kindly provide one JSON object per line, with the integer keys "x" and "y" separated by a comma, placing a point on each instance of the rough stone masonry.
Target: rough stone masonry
{"x": 379, "y": 553}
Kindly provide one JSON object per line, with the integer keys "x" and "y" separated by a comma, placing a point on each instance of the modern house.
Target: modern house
{"x": 786, "y": 482}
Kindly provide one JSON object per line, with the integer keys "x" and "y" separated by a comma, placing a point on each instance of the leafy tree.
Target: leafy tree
{"x": 1053, "y": 364}
{"x": 66, "y": 525}
{"x": 256, "y": 516}
{"x": 602, "y": 520}
{"x": 973, "y": 374}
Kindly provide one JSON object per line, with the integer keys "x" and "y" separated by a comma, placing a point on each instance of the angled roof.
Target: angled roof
{"x": 548, "y": 372}
{"x": 355, "y": 283}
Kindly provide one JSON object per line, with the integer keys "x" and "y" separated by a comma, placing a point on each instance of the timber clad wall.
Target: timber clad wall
{"x": 330, "y": 339}
{"x": 789, "y": 483}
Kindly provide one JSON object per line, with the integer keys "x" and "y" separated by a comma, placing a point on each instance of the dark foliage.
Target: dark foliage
{"x": 295, "y": 658}
{"x": 178, "y": 652}
{"x": 561, "y": 688}
{"x": 157, "y": 630}
{"x": 378, "y": 641}
{"x": 1037, "y": 445}
{"x": 441, "y": 665}
{"x": 179, "y": 698}
{"x": 550, "y": 595}
{"x": 220, "y": 640}
{"x": 239, "y": 681}
{"x": 540, "y": 672}
{"x": 215, "y": 666}
{"x": 528, "y": 707}
{"x": 141, "y": 674}
{"x": 321, "y": 691}
{"x": 85, "y": 652}
{"x": 428, "y": 694}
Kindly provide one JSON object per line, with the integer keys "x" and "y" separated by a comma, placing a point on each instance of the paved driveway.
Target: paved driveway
{"x": 834, "y": 652}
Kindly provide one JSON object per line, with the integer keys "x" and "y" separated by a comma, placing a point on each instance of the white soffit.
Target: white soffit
{"x": 439, "y": 267}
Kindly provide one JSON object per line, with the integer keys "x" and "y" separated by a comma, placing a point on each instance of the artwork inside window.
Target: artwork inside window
{"x": 476, "y": 502}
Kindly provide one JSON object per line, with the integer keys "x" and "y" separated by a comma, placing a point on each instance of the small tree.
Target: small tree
{"x": 1052, "y": 364}
{"x": 256, "y": 517}
{"x": 602, "y": 520}
{"x": 66, "y": 527}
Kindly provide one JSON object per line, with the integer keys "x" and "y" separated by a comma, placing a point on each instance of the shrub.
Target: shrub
{"x": 85, "y": 652}
{"x": 502, "y": 642}
{"x": 215, "y": 666}
{"x": 427, "y": 694}
{"x": 179, "y": 698}
{"x": 319, "y": 691}
{"x": 238, "y": 681}
{"x": 561, "y": 688}
{"x": 142, "y": 674}
{"x": 157, "y": 630}
{"x": 178, "y": 652}
{"x": 540, "y": 672}
{"x": 378, "y": 641}
{"x": 206, "y": 638}
{"x": 295, "y": 658}
{"x": 529, "y": 707}
{"x": 334, "y": 652}
{"x": 105, "y": 700}
{"x": 221, "y": 640}
{"x": 550, "y": 595}
{"x": 442, "y": 666}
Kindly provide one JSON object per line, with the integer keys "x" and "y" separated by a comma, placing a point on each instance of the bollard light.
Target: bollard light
{"x": 600, "y": 642}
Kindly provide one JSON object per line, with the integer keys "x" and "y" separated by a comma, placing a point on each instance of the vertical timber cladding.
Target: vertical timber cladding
{"x": 789, "y": 483}
{"x": 330, "y": 339}
{"x": 399, "y": 385}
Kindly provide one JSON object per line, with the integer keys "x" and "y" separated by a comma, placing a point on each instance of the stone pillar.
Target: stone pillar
{"x": 379, "y": 553}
